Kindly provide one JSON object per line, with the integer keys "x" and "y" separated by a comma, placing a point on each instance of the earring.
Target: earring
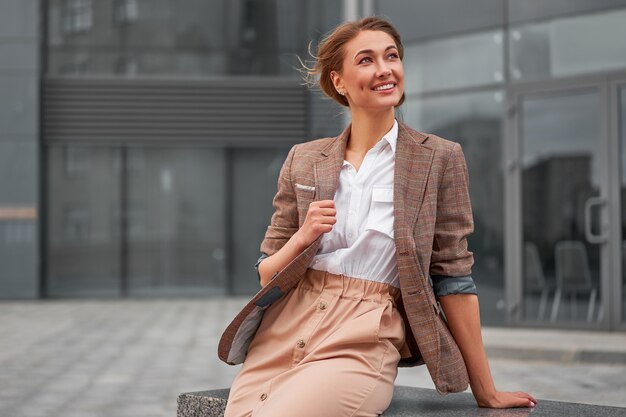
{"x": 342, "y": 92}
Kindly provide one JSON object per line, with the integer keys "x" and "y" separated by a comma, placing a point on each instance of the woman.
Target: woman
{"x": 346, "y": 295}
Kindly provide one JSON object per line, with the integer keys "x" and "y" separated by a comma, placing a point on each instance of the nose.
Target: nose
{"x": 383, "y": 71}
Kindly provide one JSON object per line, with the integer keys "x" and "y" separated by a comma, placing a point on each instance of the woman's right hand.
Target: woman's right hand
{"x": 320, "y": 218}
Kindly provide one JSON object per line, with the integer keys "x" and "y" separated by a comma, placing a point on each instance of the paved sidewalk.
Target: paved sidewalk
{"x": 570, "y": 346}
{"x": 119, "y": 358}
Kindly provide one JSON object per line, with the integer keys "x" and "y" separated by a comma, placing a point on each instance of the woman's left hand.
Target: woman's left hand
{"x": 502, "y": 399}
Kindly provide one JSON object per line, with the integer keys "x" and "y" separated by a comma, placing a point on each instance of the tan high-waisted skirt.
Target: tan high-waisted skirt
{"x": 328, "y": 348}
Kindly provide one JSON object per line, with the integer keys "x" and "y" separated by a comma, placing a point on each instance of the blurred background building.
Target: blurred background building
{"x": 140, "y": 142}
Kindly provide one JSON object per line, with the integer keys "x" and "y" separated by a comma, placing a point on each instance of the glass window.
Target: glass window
{"x": 568, "y": 46}
{"x": 134, "y": 215}
{"x": 421, "y": 19}
{"x": 16, "y": 232}
{"x": 76, "y": 161}
{"x": 77, "y": 66}
{"x": 151, "y": 220}
{"x": 525, "y": 10}
{"x": 175, "y": 221}
{"x": 77, "y": 16}
{"x": 622, "y": 133}
{"x": 193, "y": 37}
{"x": 19, "y": 252}
{"x": 475, "y": 121}
{"x": 125, "y": 11}
{"x": 83, "y": 249}
{"x": 254, "y": 179}
{"x": 436, "y": 113}
{"x": 560, "y": 177}
{"x": 76, "y": 223}
{"x": 133, "y": 161}
{"x": 457, "y": 62}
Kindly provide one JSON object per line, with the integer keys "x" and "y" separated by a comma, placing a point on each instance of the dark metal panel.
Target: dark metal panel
{"x": 230, "y": 111}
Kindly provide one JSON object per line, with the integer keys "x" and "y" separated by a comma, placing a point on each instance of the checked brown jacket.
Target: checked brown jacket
{"x": 432, "y": 219}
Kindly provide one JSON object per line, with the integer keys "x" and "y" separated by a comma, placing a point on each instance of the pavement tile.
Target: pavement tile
{"x": 118, "y": 358}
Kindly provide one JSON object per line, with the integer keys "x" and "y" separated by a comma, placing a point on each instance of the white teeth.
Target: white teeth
{"x": 384, "y": 87}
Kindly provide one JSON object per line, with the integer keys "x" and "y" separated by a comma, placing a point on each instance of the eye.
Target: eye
{"x": 393, "y": 55}
{"x": 364, "y": 59}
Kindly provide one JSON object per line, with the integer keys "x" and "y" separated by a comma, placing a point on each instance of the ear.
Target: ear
{"x": 335, "y": 77}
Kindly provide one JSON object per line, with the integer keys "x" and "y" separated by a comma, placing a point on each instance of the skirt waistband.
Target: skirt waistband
{"x": 349, "y": 287}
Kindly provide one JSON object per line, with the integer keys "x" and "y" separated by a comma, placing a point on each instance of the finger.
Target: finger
{"x": 324, "y": 228}
{"x": 526, "y": 402}
{"x": 324, "y": 203}
{"x": 526, "y": 395}
{"x": 327, "y": 211}
{"x": 521, "y": 402}
{"x": 327, "y": 220}
{"x": 322, "y": 212}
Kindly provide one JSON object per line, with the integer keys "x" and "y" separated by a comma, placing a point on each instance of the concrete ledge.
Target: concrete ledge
{"x": 202, "y": 403}
{"x": 409, "y": 401}
{"x": 556, "y": 355}
{"x": 555, "y": 345}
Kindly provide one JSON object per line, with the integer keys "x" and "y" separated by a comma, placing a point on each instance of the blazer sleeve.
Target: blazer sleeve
{"x": 454, "y": 223}
{"x": 284, "y": 222}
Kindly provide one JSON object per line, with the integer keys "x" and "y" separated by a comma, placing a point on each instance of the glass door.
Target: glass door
{"x": 173, "y": 217}
{"x": 622, "y": 198}
{"x": 82, "y": 241}
{"x": 137, "y": 221}
{"x": 618, "y": 198}
{"x": 557, "y": 250}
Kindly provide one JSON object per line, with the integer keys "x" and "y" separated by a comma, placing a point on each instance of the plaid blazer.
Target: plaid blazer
{"x": 432, "y": 219}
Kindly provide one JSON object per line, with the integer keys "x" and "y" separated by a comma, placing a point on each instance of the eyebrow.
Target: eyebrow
{"x": 369, "y": 51}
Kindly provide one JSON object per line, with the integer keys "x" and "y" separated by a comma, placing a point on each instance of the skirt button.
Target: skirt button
{"x": 263, "y": 397}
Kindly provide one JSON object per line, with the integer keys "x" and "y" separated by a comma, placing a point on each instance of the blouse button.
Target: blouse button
{"x": 322, "y": 305}
{"x": 301, "y": 343}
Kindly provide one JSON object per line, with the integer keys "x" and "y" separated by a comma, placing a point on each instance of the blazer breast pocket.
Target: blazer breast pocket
{"x": 305, "y": 195}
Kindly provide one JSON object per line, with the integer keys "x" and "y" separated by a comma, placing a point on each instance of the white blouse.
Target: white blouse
{"x": 361, "y": 244}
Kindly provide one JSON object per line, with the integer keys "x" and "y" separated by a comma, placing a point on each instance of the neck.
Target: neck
{"x": 368, "y": 128}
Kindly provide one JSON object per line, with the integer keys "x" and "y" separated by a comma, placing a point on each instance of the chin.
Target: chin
{"x": 390, "y": 102}
{"x": 381, "y": 103}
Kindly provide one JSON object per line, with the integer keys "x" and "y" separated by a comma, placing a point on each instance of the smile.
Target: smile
{"x": 384, "y": 87}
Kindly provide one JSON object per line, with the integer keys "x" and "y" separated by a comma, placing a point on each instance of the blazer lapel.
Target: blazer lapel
{"x": 413, "y": 160}
{"x": 412, "y": 167}
{"x": 328, "y": 167}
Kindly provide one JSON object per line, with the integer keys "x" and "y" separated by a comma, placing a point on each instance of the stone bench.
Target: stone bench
{"x": 409, "y": 401}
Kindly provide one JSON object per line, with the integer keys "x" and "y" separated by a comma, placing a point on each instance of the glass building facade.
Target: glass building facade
{"x": 140, "y": 38}
{"x": 151, "y": 216}
{"x": 161, "y": 140}
{"x": 533, "y": 91}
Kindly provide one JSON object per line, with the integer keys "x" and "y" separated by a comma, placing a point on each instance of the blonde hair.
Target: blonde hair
{"x": 330, "y": 54}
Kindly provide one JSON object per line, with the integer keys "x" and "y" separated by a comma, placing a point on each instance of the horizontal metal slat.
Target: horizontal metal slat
{"x": 191, "y": 111}
{"x": 105, "y": 127}
{"x": 172, "y": 82}
{"x": 211, "y": 111}
{"x": 155, "y": 98}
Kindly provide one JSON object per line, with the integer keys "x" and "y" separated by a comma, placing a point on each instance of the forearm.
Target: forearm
{"x": 463, "y": 317}
{"x": 276, "y": 262}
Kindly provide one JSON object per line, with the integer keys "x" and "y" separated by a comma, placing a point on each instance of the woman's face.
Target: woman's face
{"x": 372, "y": 76}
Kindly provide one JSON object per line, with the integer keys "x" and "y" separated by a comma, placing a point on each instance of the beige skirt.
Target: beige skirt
{"x": 330, "y": 347}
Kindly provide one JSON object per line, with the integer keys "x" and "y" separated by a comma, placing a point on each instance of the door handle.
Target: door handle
{"x": 591, "y": 238}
